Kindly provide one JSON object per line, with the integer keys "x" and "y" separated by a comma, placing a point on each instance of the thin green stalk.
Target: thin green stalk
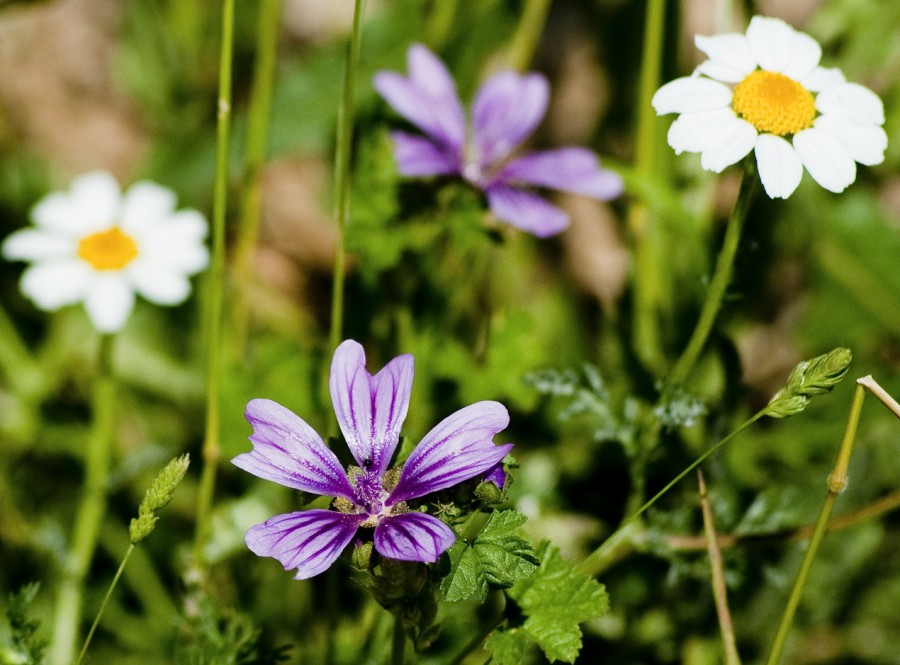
{"x": 258, "y": 115}
{"x": 597, "y": 560}
{"x": 216, "y": 288}
{"x": 719, "y": 283}
{"x": 343, "y": 147}
{"x": 91, "y": 511}
{"x": 528, "y": 33}
{"x": 344, "y": 141}
{"x": 398, "y": 644}
{"x": 648, "y": 278}
{"x": 837, "y": 482}
{"x": 112, "y": 585}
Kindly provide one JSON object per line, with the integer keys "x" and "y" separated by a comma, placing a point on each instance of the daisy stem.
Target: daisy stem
{"x": 258, "y": 115}
{"x": 718, "y": 285}
{"x": 836, "y": 483}
{"x": 528, "y": 33}
{"x": 343, "y": 147}
{"x": 597, "y": 560}
{"x": 216, "y": 288}
{"x": 112, "y": 586}
{"x": 648, "y": 281}
{"x": 91, "y": 510}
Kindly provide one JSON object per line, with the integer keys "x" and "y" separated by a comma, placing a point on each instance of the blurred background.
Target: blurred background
{"x": 544, "y": 326}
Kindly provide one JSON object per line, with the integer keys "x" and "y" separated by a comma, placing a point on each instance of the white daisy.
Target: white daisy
{"x": 96, "y": 245}
{"x": 765, "y": 91}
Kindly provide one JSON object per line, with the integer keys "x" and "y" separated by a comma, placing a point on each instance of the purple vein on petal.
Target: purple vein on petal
{"x": 458, "y": 448}
{"x": 413, "y": 537}
{"x": 286, "y": 450}
{"x": 308, "y": 541}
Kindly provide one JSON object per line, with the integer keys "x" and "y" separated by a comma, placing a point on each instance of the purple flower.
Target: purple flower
{"x": 507, "y": 109}
{"x": 370, "y": 411}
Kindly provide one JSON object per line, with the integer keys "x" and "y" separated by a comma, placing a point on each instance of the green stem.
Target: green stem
{"x": 91, "y": 511}
{"x": 648, "y": 280}
{"x": 216, "y": 288}
{"x": 528, "y": 33}
{"x": 718, "y": 285}
{"x": 596, "y": 560}
{"x": 112, "y": 585}
{"x": 398, "y": 644}
{"x": 343, "y": 147}
{"x": 258, "y": 115}
{"x": 837, "y": 482}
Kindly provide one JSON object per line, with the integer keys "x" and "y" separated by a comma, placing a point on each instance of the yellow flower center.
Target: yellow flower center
{"x": 108, "y": 250}
{"x": 774, "y": 103}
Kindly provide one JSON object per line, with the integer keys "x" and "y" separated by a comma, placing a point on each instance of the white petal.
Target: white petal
{"x": 779, "y": 166}
{"x": 822, "y": 78}
{"x": 109, "y": 302}
{"x": 732, "y": 141}
{"x": 853, "y": 102}
{"x": 145, "y": 204}
{"x": 158, "y": 283}
{"x": 691, "y": 94}
{"x": 826, "y": 158}
{"x": 57, "y": 283}
{"x": 730, "y": 59}
{"x": 91, "y": 204}
{"x": 866, "y": 143}
{"x": 38, "y": 245}
{"x": 771, "y": 41}
{"x": 691, "y": 131}
{"x": 805, "y": 56}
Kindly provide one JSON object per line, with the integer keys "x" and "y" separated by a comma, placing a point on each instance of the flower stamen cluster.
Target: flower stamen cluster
{"x": 774, "y": 103}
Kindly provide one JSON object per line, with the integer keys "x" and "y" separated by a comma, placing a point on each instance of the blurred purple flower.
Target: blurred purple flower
{"x": 370, "y": 411}
{"x": 507, "y": 109}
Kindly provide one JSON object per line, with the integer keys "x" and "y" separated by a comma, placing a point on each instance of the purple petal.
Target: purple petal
{"x": 413, "y": 537}
{"x": 289, "y": 452}
{"x": 427, "y": 98}
{"x": 370, "y": 409}
{"x": 507, "y": 109}
{"x": 310, "y": 540}
{"x": 575, "y": 170}
{"x": 458, "y": 448}
{"x": 417, "y": 156}
{"x": 526, "y": 210}
{"x": 496, "y": 474}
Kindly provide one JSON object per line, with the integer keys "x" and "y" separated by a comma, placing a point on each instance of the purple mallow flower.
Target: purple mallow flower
{"x": 370, "y": 411}
{"x": 507, "y": 109}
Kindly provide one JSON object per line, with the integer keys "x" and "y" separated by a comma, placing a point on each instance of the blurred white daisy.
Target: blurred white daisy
{"x": 97, "y": 245}
{"x": 765, "y": 91}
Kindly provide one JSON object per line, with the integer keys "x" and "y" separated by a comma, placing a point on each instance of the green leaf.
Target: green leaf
{"x": 497, "y": 558}
{"x": 556, "y": 600}
{"x": 508, "y": 647}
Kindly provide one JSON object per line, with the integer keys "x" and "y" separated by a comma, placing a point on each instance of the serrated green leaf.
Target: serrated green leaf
{"x": 507, "y": 647}
{"x": 556, "y": 599}
{"x": 497, "y": 558}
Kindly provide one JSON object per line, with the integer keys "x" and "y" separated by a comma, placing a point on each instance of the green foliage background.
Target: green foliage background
{"x": 488, "y": 313}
